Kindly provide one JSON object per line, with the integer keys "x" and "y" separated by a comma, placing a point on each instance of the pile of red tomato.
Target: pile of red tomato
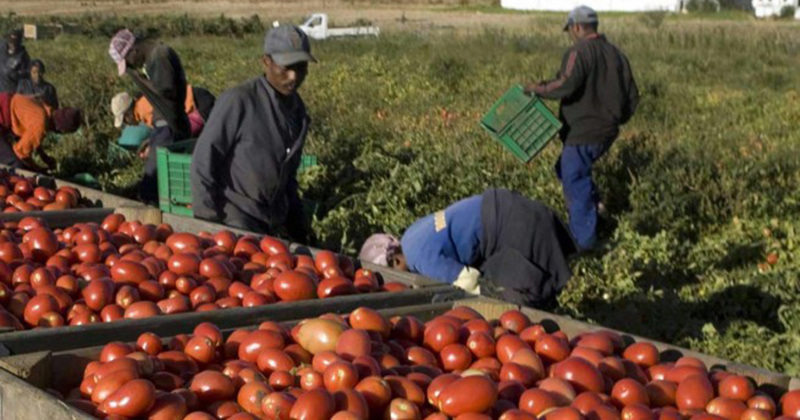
{"x": 456, "y": 366}
{"x": 91, "y": 273}
{"x": 20, "y": 194}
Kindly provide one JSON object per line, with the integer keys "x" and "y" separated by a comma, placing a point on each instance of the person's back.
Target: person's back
{"x": 443, "y": 243}
{"x": 606, "y": 100}
{"x": 165, "y": 71}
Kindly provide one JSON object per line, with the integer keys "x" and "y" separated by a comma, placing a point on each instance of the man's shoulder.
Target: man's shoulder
{"x": 162, "y": 53}
{"x": 246, "y": 89}
{"x": 243, "y": 93}
{"x": 162, "y": 50}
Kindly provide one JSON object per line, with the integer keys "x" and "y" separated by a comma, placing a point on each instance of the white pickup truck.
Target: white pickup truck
{"x": 316, "y": 27}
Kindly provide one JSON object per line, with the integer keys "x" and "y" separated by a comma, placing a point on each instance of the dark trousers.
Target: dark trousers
{"x": 148, "y": 189}
{"x": 7, "y": 155}
{"x": 574, "y": 169}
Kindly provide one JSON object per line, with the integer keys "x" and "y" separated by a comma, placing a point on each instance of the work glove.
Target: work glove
{"x": 468, "y": 281}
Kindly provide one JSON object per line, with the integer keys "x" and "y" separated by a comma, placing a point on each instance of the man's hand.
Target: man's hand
{"x": 533, "y": 88}
{"x": 144, "y": 150}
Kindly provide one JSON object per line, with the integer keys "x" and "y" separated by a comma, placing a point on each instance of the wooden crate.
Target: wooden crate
{"x": 134, "y": 210}
{"x": 24, "y": 377}
{"x": 37, "y": 32}
{"x": 98, "y": 198}
{"x": 70, "y": 337}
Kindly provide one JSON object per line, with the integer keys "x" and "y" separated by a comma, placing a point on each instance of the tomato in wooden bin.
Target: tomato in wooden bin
{"x": 363, "y": 365}
{"x": 582, "y": 375}
{"x": 551, "y": 348}
{"x": 317, "y": 404}
{"x": 642, "y": 353}
{"x": 473, "y": 394}
{"x": 317, "y": 335}
{"x": 763, "y": 402}
{"x": 537, "y": 401}
{"x": 694, "y": 393}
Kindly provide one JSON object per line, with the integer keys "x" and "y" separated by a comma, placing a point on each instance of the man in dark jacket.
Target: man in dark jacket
{"x": 245, "y": 162}
{"x": 14, "y": 62}
{"x": 164, "y": 86}
{"x": 598, "y": 94}
{"x": 518, "y": 246}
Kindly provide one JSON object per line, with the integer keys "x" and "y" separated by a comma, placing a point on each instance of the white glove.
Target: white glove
{"x": 468, "y": 280}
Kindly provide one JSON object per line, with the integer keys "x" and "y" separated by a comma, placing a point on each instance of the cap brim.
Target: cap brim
{"x": 291, "y": 58}
{"x": 118, "y": 120}
{"x": 121, "y": 67}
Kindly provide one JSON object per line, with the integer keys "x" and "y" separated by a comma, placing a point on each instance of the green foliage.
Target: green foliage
{"x": 102, "y": 25}
{"x": 701, "y": 186}
{"x": 654, "y": 18}
{"x": 787, "y": 12}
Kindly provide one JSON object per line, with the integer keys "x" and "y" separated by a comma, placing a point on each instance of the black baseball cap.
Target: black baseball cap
{"x": 581, "y": 14}
{"x": 288, "y": 45}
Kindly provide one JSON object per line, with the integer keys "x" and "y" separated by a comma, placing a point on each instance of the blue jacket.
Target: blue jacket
{"x": 441, "y": 244}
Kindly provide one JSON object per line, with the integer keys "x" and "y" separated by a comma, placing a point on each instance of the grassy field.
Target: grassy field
{"x": 702, "y": 185}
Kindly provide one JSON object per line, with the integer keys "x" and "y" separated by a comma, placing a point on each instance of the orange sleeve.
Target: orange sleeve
{"x": 29, "y": 123}
{"x": 189, "y": 104}
{"x": 143, "y": 111}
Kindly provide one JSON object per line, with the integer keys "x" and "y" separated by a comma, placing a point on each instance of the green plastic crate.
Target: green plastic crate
{"x": 174, "y": 164}
{"x": 522, "y": 124}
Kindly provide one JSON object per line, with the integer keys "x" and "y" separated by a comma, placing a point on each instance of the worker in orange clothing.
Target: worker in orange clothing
{"x": 24, "y": 122}
{"x": 130, "y": 112}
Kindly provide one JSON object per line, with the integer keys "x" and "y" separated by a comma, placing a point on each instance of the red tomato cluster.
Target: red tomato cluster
{"x": 457, "y": 366}
{"x": 91, "y": 273}
{"x": 20, "y": 194}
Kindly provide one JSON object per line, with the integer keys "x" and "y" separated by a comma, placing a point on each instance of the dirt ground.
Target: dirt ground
{"x": 396, "y": 15}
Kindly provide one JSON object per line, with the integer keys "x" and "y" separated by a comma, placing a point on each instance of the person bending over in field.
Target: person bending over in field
{"x": 137, "y": 116}
{"x": 245, "y": 162}
{"x": 598, "y": 94}
{"x": 164, "y": 85}
{"x": 14, "y": 61}
{"x": 499, "y": 243}
{"x": 37, "y": 87}
{"x": 24, "y": 122}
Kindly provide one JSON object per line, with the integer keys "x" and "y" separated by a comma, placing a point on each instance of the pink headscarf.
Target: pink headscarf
{"x": 379, "y": 249}
{"x": 121, "y": 44}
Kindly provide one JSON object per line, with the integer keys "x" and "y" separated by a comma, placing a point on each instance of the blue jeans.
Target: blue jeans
{"x": 574, "y": 169}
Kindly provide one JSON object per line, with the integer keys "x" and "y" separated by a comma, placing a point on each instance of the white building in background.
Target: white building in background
{"x": 772, "y": 8}
{"x": 599, "y": 5}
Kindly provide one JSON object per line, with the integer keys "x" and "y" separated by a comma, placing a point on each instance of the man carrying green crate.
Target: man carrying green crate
{"x": 598, "y": 94}
{"x": 499, "y": 244}
{"x": 244, "y": 166}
